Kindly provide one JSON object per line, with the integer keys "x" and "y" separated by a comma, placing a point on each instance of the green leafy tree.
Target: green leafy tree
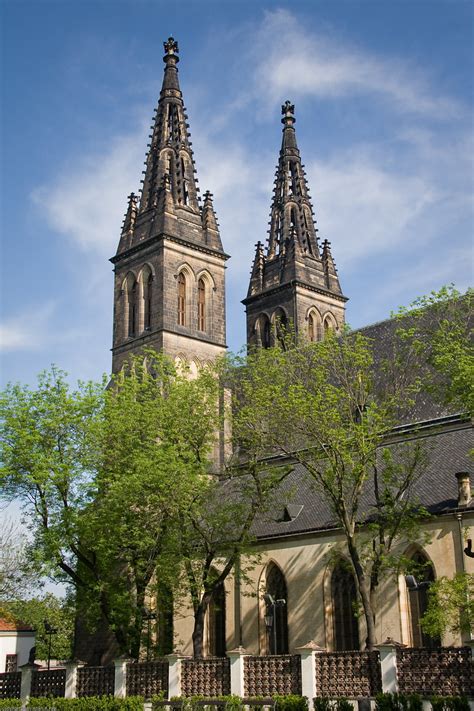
{"x": 58, "y": 612}
{"x": 332, "y": 406}
{"x": 450, "y": 606}
{"x": 16, "y": 574}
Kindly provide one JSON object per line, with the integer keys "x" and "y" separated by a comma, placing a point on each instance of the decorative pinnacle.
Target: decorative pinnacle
{"x": 288, "y": 111}
{"x": 170, "y": 47}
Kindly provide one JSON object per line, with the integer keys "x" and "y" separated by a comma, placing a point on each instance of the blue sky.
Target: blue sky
{"x": 383, "y": 93}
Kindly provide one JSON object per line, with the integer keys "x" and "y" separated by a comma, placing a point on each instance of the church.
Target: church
{"x": 169, "y": 294}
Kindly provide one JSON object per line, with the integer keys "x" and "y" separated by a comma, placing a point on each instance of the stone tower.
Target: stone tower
{"x": 169, "y": 267}
{"x": 293, "y": 283}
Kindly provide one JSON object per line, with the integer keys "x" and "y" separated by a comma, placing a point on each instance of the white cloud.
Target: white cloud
{"x": 27, "y": 330}
{"x": 84, "y": 201}
{"x": 312, "y": 64}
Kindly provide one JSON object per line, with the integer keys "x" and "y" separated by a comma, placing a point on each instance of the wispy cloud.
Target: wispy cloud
{"x": 83, "y": 202}
{"x": 28, "y": 329}
{"x": 318, "y": 65}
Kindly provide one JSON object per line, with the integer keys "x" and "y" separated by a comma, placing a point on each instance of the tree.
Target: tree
{"x": 59, "y": 612}
{"x": 16, "y": 575}
{"x": 332, "y": 406}
{"x": 450, "y": 606}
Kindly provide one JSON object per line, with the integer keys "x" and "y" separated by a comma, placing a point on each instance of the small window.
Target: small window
{"x": 181, "y": 300}
{"x": 11, "y": 661}
{"x": 184, "y": 182}
{"x": 201, "y": 305}
{"x": 311, "y": 328}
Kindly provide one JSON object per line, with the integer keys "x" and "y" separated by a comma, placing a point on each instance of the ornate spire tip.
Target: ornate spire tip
{"x": 171, "y": 46}
{"x": 288, "y": 112}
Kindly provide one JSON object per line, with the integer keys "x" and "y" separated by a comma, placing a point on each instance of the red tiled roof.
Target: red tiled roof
{"x": 11, "y": 626}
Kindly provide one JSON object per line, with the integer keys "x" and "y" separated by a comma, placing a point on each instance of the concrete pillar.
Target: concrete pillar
{"x": 308, "y": 669}
{"x": 120, "y": 679}
{"x": 71, "y": 680}
{"x": 237, "y": 680}
{"x": 174, "y": 674}
{"x": 26, "y": 679}
{"x": 388, "y": 664}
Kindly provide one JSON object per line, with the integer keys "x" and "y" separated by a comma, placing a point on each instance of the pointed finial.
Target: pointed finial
{"x": 288, "y": 111}
{"x": 171, "y": 49}
{"x": 208, "y": 196}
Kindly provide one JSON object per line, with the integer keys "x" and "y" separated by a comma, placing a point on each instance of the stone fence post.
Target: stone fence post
{"x": 120, "y": 678}
{"x": 308, "y": 669}
{"x": 237, "y": 679}
{"x": 26, "y": 679}
{"x": 174, "y": 674}
{"x": 388, "y": 665}
{"x": 70, "y": 688}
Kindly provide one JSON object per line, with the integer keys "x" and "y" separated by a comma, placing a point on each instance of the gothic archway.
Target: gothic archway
{"x": 344, "y": 600}
{"x": 277, "y": 642}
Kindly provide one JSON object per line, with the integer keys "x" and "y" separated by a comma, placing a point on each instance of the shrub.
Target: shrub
{"x": 450, "y": 703}
{"x": 88, "y": 703}
{"x": 10, "y": 703}
{"x": 398, "y": 702}
{"x": 323, "y": 704}
{"x": 291, "y": 702}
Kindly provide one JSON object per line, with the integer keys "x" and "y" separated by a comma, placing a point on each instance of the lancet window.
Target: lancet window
{"x": 201, "y": 305}
{"x": 276, "y": 612}
{"x": 181, "y": 299}
{"x": 344, "y": 600}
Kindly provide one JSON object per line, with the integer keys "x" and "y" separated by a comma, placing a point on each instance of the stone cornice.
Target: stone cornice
{"x": 289, "y": 284}
{"x": 162, "y": 237}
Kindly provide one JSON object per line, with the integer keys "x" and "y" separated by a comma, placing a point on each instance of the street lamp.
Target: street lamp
{"x": 270, "y": 617}
{"x": 49, "y": 631}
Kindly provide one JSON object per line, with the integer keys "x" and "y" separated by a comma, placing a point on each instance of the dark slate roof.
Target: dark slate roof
{"x": 448, "y": 448}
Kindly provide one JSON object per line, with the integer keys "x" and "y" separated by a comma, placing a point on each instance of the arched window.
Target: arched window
{"x": 344, "y": 600}
{"x": 201, "y": 305}
{"x": 418, "y": 600}
{"x": 147, "y": 301}
{"x": 280, "y": 323}
{"x": 277, "y": 612}
{"x": 311, "y": 328}
{"x": 216, "y": 643}
{"x": 181, "y": 299}
{"x": 132, "y": 310}
{"x": 164, "y": 621}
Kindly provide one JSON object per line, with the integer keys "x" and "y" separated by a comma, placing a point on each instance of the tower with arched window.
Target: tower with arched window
{"x": 294, "y": 280}
{"x": 169, "y": 265}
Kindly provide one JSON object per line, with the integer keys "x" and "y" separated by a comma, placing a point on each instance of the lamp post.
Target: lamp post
{"x": 270, "y": 617}
{"x": 49, "y": 631}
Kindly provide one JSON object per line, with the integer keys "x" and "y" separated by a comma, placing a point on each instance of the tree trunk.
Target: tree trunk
{"x": 199, "y": 619}
{"x": 364, "y": 591}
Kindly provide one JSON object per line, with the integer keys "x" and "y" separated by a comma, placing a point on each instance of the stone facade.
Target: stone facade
{"x": 169, "y": 291}
{"x": 294, "y": 282}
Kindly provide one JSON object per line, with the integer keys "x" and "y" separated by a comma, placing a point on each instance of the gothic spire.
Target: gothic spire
{"x": 209, "y": 223}
{"x": 170, "y": 148}
{"x": 291, "y": 219}
{"x": 128, "y": 223}
{"x": 256, "y": 275}
{"x": 330, "y": 271}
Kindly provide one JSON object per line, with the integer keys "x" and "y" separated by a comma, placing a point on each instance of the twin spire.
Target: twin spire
{"x": 169, "y": 201}
{"x": 293, "y": 251}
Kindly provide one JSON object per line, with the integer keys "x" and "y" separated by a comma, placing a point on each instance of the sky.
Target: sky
{"x": 383, "y": 95}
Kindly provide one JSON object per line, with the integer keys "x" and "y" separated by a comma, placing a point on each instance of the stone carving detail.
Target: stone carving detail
{"x": 48, "y": 683}
{"x": 447, "y": 671}
{"x": 206, "y": 677}
{"x": 10, "y": 685}
{"x": 147, "y": 678}
{"x": 264, "y": 676}
{"x": 95, "y": 681}
{"x": 350, "y": 674}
